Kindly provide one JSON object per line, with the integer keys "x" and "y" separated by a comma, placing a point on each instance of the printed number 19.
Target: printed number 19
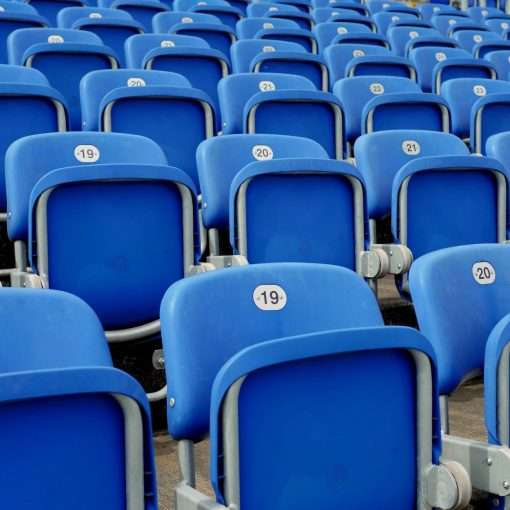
{"x": 273, "y": 296}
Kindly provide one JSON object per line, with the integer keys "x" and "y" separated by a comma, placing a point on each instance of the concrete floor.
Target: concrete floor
{"x": 466, "y": 419}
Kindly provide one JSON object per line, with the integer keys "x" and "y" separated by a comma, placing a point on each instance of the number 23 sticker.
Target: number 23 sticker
{"x": 484, "y": 273}
{"x": 269, "y": 297}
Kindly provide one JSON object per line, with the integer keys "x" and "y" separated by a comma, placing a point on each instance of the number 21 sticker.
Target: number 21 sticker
{"x": 484, "y": 273}
{"x": 269, "y": 297}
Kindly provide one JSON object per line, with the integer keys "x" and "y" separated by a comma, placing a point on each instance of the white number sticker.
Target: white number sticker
{"x": 341, "y": 30}
{"x": 267, "y": 25}
{"x": 269, "y": 297}
{"x": 268, "y": 49}
{"x": 358, "y": 53}
{"x": 377, "y": 88}
{"x": 273, "y": 9}
{"x": 440, "y": 56}
{"x": 395, "y": 18}
{"x": 411, "y": 147}
{"x": 452, "y": 22}
{"x": 413, "y": 34}
{"x": 484, "y": 273}
{"x": 95, "y": 15}
{"x": 479, "y": 90}
{"x": 504, "y": 25}
{"x": 55, "y": 39}
{"x": 436, "y": 9}
{"x": 202, "y": 3}
{"x": 136, "y": 82}
{"x": 477, "y": 38}
{"x": 2, "y": 9}
{"x": 335, "y": 13}
{"x": 167, "y": 44}
{"x": 262, "y": 152}
{"x": 385, "y": 6}
{"x": 485, "y": 13}
{"x": 186, "y": 19}
{"x": 266, "y": 86}
{"x": 86, "y": 153}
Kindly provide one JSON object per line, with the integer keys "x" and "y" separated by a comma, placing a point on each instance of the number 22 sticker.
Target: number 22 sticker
{"x": 269, "y": 297}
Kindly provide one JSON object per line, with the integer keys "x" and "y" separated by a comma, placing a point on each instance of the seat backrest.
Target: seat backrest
{"x": 326, "y": 32}
{"x": 380, "y": 156}
{"x": 164, "y": 21}
{"x": 262, "y": 9}
{"x": 462, "y": 93}
{"x": 459, "y": 295}
{"x": 354, "y": 93}
{"x": 235, "y": 91}
{"x": 479, "y": 14}
{"x": 385, "y": 19}
{"x": 247, "y": 28}
{"x": 468, "y": 39}
{"x": 498, "y": 147}
{"x": 500, "y": 59}
{"x": 220, "y": 159}
{"x": 194, "y": 365}
{"x": 399, "y": 37}
{"x": 498, "y": 25}
{"x": 322, "y": 14}
{"x": 30, "y": 158}
{"x": 68, "y": 16}
{"x": 426, "y": 59}
{"x": 12, "y": 74}
{"x": 243, "y": 52}
{"x": 137, "y": 46}
{"x": 429, "y": 10}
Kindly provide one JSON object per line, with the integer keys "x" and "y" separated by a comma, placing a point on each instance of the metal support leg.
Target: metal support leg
{"x": 445, "y": 420}
{"x": 186, "y": 454}
{"x": 214, "y": 241}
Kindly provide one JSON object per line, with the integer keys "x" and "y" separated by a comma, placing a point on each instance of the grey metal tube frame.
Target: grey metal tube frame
{"x": 251, "y": 124}
{"x": 358, "y": 216}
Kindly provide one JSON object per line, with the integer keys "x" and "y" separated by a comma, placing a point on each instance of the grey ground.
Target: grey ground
{"x": 466, "y": 419}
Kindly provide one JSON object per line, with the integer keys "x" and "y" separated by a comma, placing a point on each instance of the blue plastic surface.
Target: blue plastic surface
{"x": 326, "y": 32}
{"x": 468, "y": 39}
{"x": 461, "y": 68}
{"x": 248, "y": 27}
{"x": 399, "y": 37}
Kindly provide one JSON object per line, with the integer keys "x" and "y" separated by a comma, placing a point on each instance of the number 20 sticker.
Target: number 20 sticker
{"x": 484, "y": 273}
{"x": 86, "y": 153}
{"x": 269, "y": 297}
{"x": 262, "y": 152}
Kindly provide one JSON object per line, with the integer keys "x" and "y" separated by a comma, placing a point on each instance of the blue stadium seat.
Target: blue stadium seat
{"x": 497, "y": 146}
{"x": 326, "y": 32}
{"x": 323, "y": 14}
{"x": 49, "y": 9}
{"x": 70, "y": 418}
{"x": 377, "y": 103}
{"x": 113, "y": 26}
{"x": 50, "y": 50}
{"x": 308, "y": 362}
{"x": 156, "y": 104}
{"x": 267, "y": 56}
{"x": 247, "y": 28}
{"x": 221, "y": 158}
{"x": 182, "y": 54}
{"x": 347, "y": 5}
{"x": 207, "y": 27}
{"x": 467, "y": 25}
{"x": 462, "y": 93}
{"x": 262, "y": 9}
{"x": 281, "y": 104}
{"x": 468, "y": 39}
{"x": 302, "y": 5}
{"x": 30, "y": 158}
{"x": 221, "y": 9}
{"x": 480, "y": 14}
{"x": 499, "y": 25}
{"x": 327, "y": 190}
{"x": 413, "y": 23}
{"x": 480, "y": 50}
{"x": 432, "y": 9}
{"x": 399, "y": 36}
{"x": 467, "y": 322}
{"x": 426, "y": 62}
{"x": 375, "y": 6}
{"x": 378, "y": 65}
{"x": 303, "y": 20}
{"x": 13, "y": 16}
{"x": 437, "y": 41}
{"x": 241, "y": 5}
{"x": 379, "y": 157}
{"x": 401, "y": 8}
{"x": 489, "y": 115}
{"x": 361, "y": 38}
{"x": 142, "y": 11}
{"x": 385, "y": 19}
{"x": 444, "y": 22}
{"x": 28, "y": 105}
{"x": 354, "y": 18}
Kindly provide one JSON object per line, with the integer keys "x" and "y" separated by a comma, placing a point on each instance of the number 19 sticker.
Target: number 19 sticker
{"x": 484, "y": 273}
{"x": 86, "y": 153}
{"x": 269, "y": 297}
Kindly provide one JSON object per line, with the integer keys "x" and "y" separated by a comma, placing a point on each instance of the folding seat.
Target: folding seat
{"x": 303, "y": 20}
{"x": 489, "y": 115}
{"x": 438, "y": 41}
{"x": 52, "y": 49}
{"x": 221, "y": 9}
{"x": 480, "y": 50}
{"x": 480, "y": 14}
{"x": 384, "y": 19}
{"x": 303, "y": 5}
{"x": 361, "y": 38}
{"x": 400, "y": 8}
{"x": 498, "y": 147}
{"x": 326, "y": 32}
{"x": 262, "y": 9}
{"x": 432, "y": 9}
{"x": 267, "y": 56}
{"x": 156, "y": 104}
{"x": 426, "y": 61}
{"x": 413, "y": 23}
{"x": 498, "y": 25}
{"x": 467, "y": 323}
{"x": 467, "y": 24}
{"x": 276, "y": 29}
{"x": 306, "y": 358}
{"x": 345, "y": 60}
{"x": 355, "y": 18}
{"x": 324, "y": 14}
{"x": 468, "y": 39}
{"x": 342, "y": 4}
{"x": 284, "y": 104}
{"x": 379, "y": 103}
{"x": 462, "y": 93}
{"x": 444, "y": 21}
{"x": 113, "y": 26}
{"x": 400, "y": 36}
{"x": 70, "y": 418}
{"x": 182, "y": 54}
{"x": 141, "y": 10}
{"x": 13, "y": 16}
{"x": 207, "y": 27}
{"x": 380, "y": 156}
{"x": 501, "y": 61}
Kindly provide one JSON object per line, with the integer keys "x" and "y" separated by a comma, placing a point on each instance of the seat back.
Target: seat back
{"x": 322, "y": 14}
{"x": 429, "y": 10}
{"x": 462, "y": 93}
{"x": 480, "y": 14}
{"x": 468, "y": 39}
{"x": 498, "y": 25}
{"x": 70, "y": 15}
{"x": 501, "y": 61}
{"x": 152, "y": 104}
{"x": 399, "y": 37}
{"x": 489, "y": 116}
{"x": 461, "y": 68}
{"x": 247, "y": 28}
{"x": 497, "y": 147}
{"x": 385, "y": 19}
{"x": 354, "y": 93}
{"x": 142, "y": 11}
{"x": 30, "y": 158}
{"x": 165, "y": 21}
{"x": 380, "y": 156}
{"x": 458, "y": 317}
{"x": 262, "y": 9}
{"x": 326, "y": 32}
